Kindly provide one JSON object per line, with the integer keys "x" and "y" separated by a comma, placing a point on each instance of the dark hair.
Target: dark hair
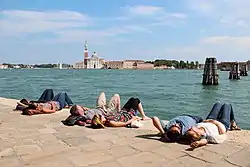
{"x": 24, "y": 101}
{"x": 73, "y": 110}
{"x": 173, "y": 135}
{"x": 32, "y": 106}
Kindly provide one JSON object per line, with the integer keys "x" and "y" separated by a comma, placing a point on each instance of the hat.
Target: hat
{"x": 96, "y": 122}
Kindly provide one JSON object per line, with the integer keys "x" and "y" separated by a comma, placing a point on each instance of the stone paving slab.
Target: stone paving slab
{"x": 42, "y": 140}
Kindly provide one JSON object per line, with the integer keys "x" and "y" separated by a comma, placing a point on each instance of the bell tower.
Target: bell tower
{"x": 86, "y": 53}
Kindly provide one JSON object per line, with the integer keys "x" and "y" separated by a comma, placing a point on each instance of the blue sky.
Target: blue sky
{"x": 43, "y": 31}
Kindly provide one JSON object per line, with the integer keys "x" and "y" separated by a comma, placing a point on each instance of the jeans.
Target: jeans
{"x": 222, "y": 113}
{"x": 63, "y": 99}
{"x": 46, "y": 96}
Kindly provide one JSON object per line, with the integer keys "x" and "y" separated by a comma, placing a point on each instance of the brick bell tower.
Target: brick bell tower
{"x": 86, "y": 53}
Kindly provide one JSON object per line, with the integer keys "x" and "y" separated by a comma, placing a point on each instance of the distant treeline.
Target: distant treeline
{"x": 177, "y": 64}
{"x": 38, "y": 65}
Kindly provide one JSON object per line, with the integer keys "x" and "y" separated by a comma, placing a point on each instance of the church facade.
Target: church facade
{"x": 93, "y": 62}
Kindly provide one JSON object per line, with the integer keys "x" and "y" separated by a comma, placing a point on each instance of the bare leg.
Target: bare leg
{"x": 115, "y": 103}
{"x": 140, "y": 109}
{"x": 157, "y": 124}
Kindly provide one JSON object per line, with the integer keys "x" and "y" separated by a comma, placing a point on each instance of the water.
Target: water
{"x": 164, "y": 93}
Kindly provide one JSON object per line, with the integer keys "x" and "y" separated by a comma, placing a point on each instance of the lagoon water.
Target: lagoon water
{"x": 164, "y": 93}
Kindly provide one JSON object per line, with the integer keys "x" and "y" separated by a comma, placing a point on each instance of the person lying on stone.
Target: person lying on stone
{"x": 133, "y": 105}
{"x": 176, "y": 128}
{"x": 214, "y": 128}
{"x": 60, "y": 101}
{"x": 80, "y": 115}
{"x": 47, "y": 95}
{"x": 120, "y": 119}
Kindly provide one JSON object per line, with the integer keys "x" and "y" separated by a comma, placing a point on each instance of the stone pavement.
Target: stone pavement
{"x": 43, "y": 141}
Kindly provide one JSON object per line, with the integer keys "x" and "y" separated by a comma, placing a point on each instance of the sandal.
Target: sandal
{"x": 235, "y": 127}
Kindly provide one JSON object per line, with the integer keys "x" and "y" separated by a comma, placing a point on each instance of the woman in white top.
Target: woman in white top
{"x": 214, "y": 128}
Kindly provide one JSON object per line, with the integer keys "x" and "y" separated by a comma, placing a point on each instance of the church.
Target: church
{"x": 93, "y": 62}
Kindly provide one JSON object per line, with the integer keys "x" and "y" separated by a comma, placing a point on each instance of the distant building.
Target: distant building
{"x": 201, "y": 66}
{"x": 161, "y": 67}
{"x": 79, "y": 65}
{"x": 131, "y": 64}
{"x": 143, "y": 65}
{"x": 3, "y": 66}
{"x": 93, "y": 62}
{"x": 226, "y": 66}
{"x": 114, "y": 64}
{"x": 248, "y": 65}
{"x": 16, "y": 66}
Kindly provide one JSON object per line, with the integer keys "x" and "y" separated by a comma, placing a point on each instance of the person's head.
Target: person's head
{"x": 98, "y": 121}
{"x": 24, "y": 101}
{"x": 193, "y": 134}
{"x": 76, "y": 110}
{"x": 32, "y": 106}
{"x": 174, "y": 132}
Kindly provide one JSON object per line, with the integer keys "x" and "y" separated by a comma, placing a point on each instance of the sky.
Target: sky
{"x": 53, "y": 31}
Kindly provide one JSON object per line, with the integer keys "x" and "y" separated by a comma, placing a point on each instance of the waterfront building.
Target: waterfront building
{"x": 93, "y": 62}
{"x": 3, "y": 66}
{"x": 201, "y": 66}
{"x": 248, "y": 65}
{"x": 16, "y": 67}
{"x": 226, "y": 66}
{"x": 86, "y": 54}
{"x": 114, "y": 64}
{"x": 143, "y": 65}
{"x": 60, "y": 66}
{"x": 131, "y": 64}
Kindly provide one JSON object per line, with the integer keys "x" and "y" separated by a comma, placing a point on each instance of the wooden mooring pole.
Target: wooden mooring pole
{"x": 210, "y": 75}
{"x": 243, "y": 70}
{"x": 235, "y": 71}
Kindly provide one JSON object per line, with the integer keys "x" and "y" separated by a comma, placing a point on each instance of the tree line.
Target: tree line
{"x": 177, "y": 64}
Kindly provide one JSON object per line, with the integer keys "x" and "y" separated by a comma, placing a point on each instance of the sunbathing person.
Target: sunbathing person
{"x": 176, "y": 127}
{"x": 47, "y": 95}
{"x": 123, "y": 118}
{"x": 214, "y": 128}
{"x": 61, "y": 100}
{"x": 82, "y": 115}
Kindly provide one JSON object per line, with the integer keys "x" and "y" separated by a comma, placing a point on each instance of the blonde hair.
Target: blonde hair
{"x": 96, "y": 122}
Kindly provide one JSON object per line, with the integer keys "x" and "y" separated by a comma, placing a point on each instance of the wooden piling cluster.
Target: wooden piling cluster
{"x": 235, "y": 71}
{"x": 243, "y": 70}
{"x": 210, "y": 75}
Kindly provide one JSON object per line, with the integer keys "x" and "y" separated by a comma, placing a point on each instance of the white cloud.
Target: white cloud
{"x": 67, "y": 26}
{"x": 144, "y": 10}
{"x": 229, "y": 12}
{"x": 17, "y": 21}
{"x": 238, "y": 42}
{"x": 152, "y": 15}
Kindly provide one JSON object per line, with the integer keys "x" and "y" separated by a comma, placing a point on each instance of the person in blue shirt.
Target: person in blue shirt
{"x": 176, "y": 127}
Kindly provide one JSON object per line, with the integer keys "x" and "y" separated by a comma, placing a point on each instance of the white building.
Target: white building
{"x": 79, "y": 65}
{"x": 94, "y": 62}
{"x": 3, "y": 66}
